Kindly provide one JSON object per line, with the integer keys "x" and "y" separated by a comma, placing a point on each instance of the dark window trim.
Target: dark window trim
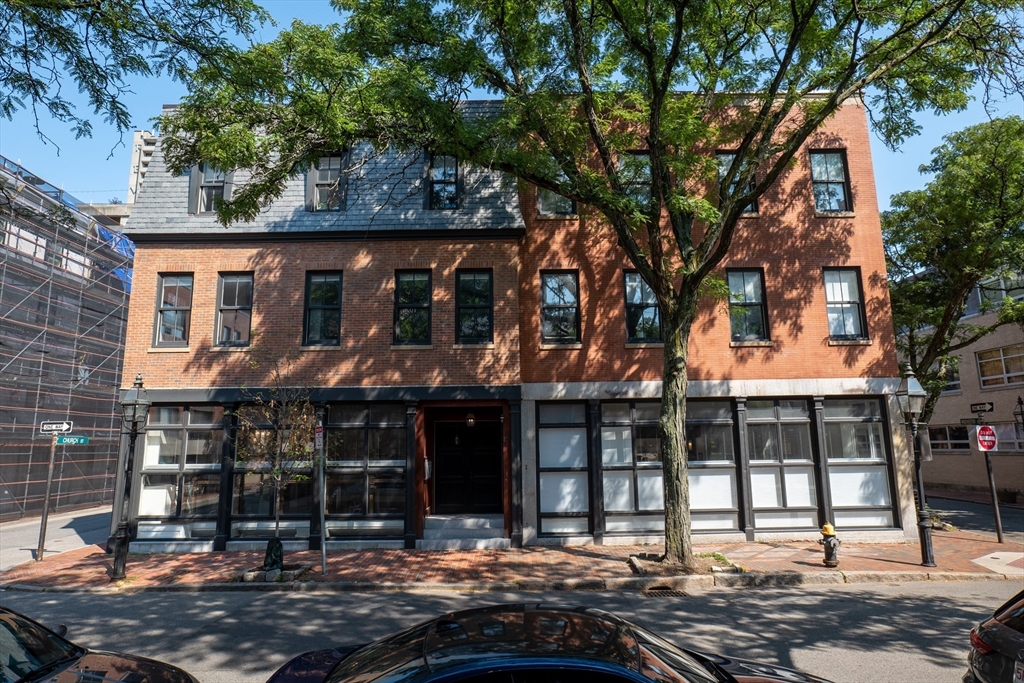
{"x": 196, "y": 185}
{"x": 457, "y": 183}
{"x": 429, "y": 305}
{"x": 312, "y": 183}
{"x": 160, "y": 309}
{"x": 217, "y": 341}
{"x": 635, "y": 467}
{"x": 752, "y": 208}
{"x": 865, "y": 334}
{"x": 639, "y": 187}
{"x": 585, "y": 425}
{"x": 579, "y": 331}
{"x": 489, "y": 306}
{"x": 846, "y": 180}
{"x": 625, "y": 293}
{"x": 763, "y": 305}
{"x": 306, "y": 307}
{"x": 573, "y": 211}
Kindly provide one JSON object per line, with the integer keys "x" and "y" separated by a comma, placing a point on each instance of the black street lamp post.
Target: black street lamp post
{"x": 912, "y": 397}
{"x": 134, "y": 413}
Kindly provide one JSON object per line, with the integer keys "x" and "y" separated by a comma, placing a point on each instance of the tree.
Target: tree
{"x": 584, "y": 82}
{"x": 275, "y": 430}
{"x": 963, "y": 230}
{"x": 98, "y": 45}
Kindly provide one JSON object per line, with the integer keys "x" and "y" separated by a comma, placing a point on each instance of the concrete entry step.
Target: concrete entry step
{"x": 463, "y": 544}
{"x": 465, "y": 522}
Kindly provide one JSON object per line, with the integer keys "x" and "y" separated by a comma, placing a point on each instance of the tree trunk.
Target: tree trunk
{"x": 277, "y": 510}
{"x": 672, "y": 431}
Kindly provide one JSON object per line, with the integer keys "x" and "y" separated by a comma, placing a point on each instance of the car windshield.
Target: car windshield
{"x": 1011, "y": 614}
{"x": 28, "y": 649}
{"x": 686, "y": 668}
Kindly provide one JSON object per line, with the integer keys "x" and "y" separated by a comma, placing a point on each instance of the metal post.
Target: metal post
{"x": 995, "y": 499}
{"x": 49, "y": 489}
{"x": 924, "y": 522}
{"x": 121, "y": 537}
{"x": 323, "y": 493}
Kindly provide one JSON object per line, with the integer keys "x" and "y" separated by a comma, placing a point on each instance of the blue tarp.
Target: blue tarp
{"x": 122, "y": 245}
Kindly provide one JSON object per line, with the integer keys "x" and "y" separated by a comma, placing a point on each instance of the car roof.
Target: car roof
{"x": 529, "y": 630}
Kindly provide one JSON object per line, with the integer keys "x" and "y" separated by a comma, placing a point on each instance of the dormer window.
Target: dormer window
{"x": 207, "y": 186}
{"x": 443, "y": 181}
{"x": 325, "y": 184}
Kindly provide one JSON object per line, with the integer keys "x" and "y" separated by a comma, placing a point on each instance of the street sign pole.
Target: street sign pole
{"x": 46, "y": 498}
{"x": 987, "y": 442}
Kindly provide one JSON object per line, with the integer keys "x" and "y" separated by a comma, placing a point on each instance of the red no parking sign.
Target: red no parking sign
{"x": 986, "y": 438}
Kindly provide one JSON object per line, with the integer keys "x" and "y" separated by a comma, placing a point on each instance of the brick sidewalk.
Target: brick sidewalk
{"x": 90, "y": 567}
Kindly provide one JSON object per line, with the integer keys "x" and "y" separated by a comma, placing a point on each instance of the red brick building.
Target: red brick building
{"x": 488, "y": 364}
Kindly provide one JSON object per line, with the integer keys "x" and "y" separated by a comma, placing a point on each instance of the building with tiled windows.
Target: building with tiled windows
{"x": 488, "y": 362}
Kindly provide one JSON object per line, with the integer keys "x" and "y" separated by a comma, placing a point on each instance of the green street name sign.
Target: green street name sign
{"x": 72, "y": 440}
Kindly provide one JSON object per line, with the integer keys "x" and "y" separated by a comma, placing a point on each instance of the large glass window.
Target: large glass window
{"x": 643, "y": 316}
{"x": 632, "y": 480}
{"x": 830, "y": 182}
{"x": 1001, "y": 367}
{"x": 949, "y": 438}
{"x": 711, "y": 454}
{"x": 234, "y": 312}
{"x": 444, "y": 182}
{"x": 747, "y": 317}
{"x": 365, "y": 449}
{"x": 181, "y": 457}
{"x": 858, "y": 468}
{"x": 474, "y": 306}
{"x": 782, "y": 486}
{"x": 323, "y": 309}
{"x": 559, "y": 307}
{"x": 175, "y": 309}
{"x": 412, "y": 306}
{"x": 563, "y": 468}
{"x": 844, "y": 304}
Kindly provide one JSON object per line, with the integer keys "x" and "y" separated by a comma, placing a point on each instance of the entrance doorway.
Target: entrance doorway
{"x": 467, "y": 461}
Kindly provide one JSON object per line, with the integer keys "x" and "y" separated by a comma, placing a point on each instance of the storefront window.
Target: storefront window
{"x": 563, "y": 462}
{"x": 782, "y": 485}
{"x": 711, "y": 454}
{"x": 858, "y": 468}
{"x": 632, "y": 480}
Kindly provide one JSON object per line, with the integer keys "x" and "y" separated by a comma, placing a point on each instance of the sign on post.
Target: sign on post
{"x": 319, "y": 432}
{"x": 970, "y": 420}
{"x": 987, "y": 438}
{"x": 986, "y": 407}
{"x": 72, "y": 440}
{"x": 56, "y": 427}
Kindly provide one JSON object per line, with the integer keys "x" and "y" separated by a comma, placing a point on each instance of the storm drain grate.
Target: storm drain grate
{"x": 665, "y": 593}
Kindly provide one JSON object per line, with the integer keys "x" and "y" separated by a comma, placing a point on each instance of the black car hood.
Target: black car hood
{"x": 747, "y": 671}
{"x": 100, "y": 667}
{"x": 312, "y": 666}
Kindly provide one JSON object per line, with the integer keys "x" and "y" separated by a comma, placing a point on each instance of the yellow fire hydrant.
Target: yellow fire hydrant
{"x": 831, "y": 545}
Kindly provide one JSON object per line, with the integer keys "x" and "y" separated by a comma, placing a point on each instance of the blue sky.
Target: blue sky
{"x": 96, "y": 169}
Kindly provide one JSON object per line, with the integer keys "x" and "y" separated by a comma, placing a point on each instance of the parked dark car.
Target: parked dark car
{"x": 30, "y": 652}
{"x": 527, "y": 644}
{"x": 997, "y": 646}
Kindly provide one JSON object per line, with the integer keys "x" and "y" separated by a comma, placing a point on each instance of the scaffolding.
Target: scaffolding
{"x": 65, "y": 280}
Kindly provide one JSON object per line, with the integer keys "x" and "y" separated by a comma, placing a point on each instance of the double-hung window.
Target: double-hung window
{"x": 175, "y": 309}
{"x": 234, "y": 312}
{"x": 443, "y": 180}
{"x": 634, "y": 169}
{"x": 747, "y": 318}
{"x": 325, "y": 184}
{"x": 1001, "y": 367}
{"x": 560, "y": 307}
{"x": 725, "y": 161}
{"x": 323, "y": 310}
{"x": 474, "y": 307}
{"x": 412, "y": 306}
{"x": 844, "y": 304}
{"x": 643, "y": 316}
{"x": 552, "y": 204}
{"x": 830, "y": 182}
{"x": 211, "y": 187}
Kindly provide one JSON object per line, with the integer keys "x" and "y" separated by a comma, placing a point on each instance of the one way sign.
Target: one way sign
{"x": 55, "y": 427}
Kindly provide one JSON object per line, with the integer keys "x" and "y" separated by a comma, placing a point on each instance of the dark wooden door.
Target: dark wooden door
{"x": 467, "y": 468}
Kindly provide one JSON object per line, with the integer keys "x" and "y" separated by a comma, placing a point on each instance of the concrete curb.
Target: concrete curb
{"x": 675, "y": 583}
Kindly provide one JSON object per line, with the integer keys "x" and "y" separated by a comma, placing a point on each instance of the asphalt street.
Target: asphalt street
{"x": 66, "y": 531}
{"x": 849, "y": 634}
{"x": 980, "y": 518}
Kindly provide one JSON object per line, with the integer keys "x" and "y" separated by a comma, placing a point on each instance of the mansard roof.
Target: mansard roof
{"x": 386, "y": 196}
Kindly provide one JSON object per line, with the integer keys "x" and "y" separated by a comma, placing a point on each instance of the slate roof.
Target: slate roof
{"x": 385, "y": 194}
